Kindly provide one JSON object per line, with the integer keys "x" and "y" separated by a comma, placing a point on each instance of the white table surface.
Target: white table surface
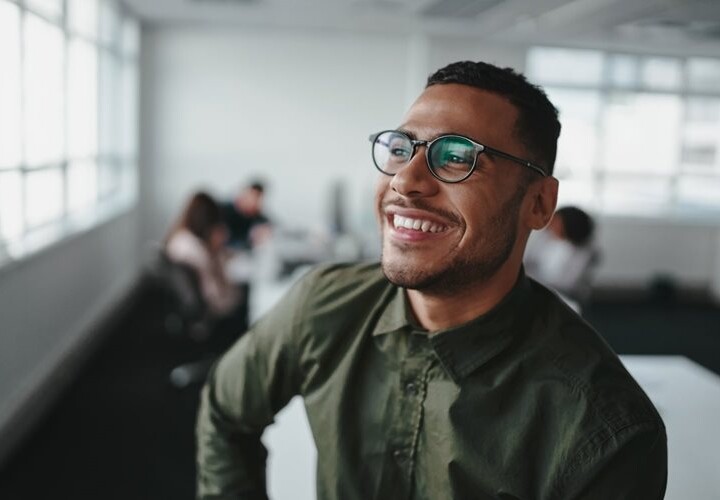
{"x": 687, "y": 396}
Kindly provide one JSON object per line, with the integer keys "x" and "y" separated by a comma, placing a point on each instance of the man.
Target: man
{"x": 444, "y": 372}
{"x": 244, "y": 218}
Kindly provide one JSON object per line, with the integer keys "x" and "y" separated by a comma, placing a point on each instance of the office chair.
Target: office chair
{"x": 185, "y": 314}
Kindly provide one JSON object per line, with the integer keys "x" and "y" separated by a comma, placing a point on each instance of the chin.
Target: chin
{"x": 407, "y": 275}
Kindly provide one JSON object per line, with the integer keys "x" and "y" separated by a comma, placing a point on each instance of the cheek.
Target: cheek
{"x": 381, "y": 187}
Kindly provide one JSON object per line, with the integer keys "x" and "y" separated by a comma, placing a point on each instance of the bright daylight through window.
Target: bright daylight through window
{"x": 641, "y": 134}
{"x": 68, "y": 119}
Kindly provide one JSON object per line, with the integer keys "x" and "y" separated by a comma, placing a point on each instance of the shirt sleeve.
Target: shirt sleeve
{"x": 630, "y": 466}
{"x": 245, "y": 389}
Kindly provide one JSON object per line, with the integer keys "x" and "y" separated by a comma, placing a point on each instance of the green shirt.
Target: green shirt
{"x": 524, "y": 402}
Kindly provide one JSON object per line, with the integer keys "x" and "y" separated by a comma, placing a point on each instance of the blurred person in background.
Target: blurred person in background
{"x": 564, "y": 255}
{"x": 442, "y": 371}
{"x": 198, "y": 240}
{"x": 248, "y": 226}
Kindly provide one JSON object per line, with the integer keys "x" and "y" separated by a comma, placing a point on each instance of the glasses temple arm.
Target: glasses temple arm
{"x": 510, "y": 157}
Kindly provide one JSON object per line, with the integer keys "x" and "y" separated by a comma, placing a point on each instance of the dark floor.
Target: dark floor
{"x": 122, "y": 431}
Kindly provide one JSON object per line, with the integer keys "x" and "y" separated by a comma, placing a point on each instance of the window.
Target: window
{"x": 67, "y": 118}
{"x": 641, "y": 134}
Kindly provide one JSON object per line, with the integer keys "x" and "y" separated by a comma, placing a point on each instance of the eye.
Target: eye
{"x": 399, "y": 150}
{"x": 453, "y": 158}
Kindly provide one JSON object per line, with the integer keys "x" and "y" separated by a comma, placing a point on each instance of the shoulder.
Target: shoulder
{"x": 604, "y": 405}
{"x": 183, "y": 246}
{"x": 584, "y": 360}
{"x": 330, "y": 293}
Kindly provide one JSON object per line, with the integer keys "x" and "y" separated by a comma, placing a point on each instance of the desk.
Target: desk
{"x": 686, "y": 395}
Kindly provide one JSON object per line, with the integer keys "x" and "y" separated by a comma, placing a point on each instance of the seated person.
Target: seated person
{"x": 563, "y": 255}
{"x": 198, "y": 240}
{"x": 245, "y": 221}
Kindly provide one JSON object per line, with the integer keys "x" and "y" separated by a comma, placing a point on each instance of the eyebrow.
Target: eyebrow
{"x": 407, "y": 133}
{"x": 413, "y": 136}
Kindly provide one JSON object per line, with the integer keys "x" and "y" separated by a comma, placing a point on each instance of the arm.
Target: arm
{"x": 244, "y": 391}
{"x": 632, "y": 466}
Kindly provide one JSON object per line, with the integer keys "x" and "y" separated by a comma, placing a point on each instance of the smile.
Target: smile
{"x": 426, "y": 226}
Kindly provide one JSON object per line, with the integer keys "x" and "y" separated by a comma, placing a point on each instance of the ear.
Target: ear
{"x": 543, "y": 202}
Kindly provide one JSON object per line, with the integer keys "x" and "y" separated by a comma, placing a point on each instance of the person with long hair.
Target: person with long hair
{"x": 197, "y": 239}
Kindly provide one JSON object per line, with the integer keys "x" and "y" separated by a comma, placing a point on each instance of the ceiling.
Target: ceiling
{"x": 661, "y": 26}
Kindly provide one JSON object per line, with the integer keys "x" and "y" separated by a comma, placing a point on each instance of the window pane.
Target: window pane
{"x": 130, "y": 37}
{"x": 565, "y": 66}
{"x": 82, "y": 185}
{"x": 110, "y": 105}
{"x": 110, "y": 180}
{"x": 696, "y": 192}
{"x": 109, "y": 24}
{"x": 640, "y": 133}
{"x": 129, "y": 182}
{"x": 10, "y": 205}
{"x": 129, "y": 109}
{"x": 661, "y": 73}
{"x": 44, "y": 91}
{"x": 83, "y": 17}
{"x": 44, "y": 201}
{"x": 704, "y": 74}
{"x": 10, "y": 143}
{"x": 577, "y": 146}
{"x": 82, "y": 99}
{"x": 701, "y": 135}
{"x": 638, "y": 196}
{"x": 623, "y": 71}
{"x": 49, "y": 8}
{"x": 575, "y": 191}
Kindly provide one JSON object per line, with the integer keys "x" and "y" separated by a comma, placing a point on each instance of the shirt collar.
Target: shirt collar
{"x": 463, "y": 349}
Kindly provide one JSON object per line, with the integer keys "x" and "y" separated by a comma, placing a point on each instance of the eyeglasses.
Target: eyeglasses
{"x": 450, "y": 158}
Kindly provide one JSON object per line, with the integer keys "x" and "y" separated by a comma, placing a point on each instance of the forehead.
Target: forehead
{"x": 454, "y": 108}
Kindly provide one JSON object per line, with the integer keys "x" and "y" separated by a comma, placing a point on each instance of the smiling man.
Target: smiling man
{"x": 442, "y": 372}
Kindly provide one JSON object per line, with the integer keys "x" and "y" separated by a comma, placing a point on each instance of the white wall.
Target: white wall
{"x": 49, "y": 305}
{"x": 634, "y": 251}
{"x": 221, "y": 105}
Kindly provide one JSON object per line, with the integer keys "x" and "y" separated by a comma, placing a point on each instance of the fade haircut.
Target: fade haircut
{"x": 537, "y": 124}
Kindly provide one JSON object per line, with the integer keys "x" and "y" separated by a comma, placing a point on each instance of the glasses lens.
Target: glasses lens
{"x": 452, "y": 158}
{"x": 391, "y": 150}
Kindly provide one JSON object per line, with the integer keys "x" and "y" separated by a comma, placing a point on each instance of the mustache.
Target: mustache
{"x": 421, "y": 205}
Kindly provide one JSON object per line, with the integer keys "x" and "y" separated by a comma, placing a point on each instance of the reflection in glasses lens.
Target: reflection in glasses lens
{"x": 452, "y": 158}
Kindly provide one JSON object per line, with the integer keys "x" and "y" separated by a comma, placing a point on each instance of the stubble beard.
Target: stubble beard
{"x": 463, "y": 271}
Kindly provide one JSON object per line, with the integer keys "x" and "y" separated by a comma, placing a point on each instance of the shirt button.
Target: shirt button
{"x": 398, "y": 455}
{"x": 411, "y": 388}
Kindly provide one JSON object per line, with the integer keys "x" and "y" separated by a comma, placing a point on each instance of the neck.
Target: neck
{"x": 437, "y": 311}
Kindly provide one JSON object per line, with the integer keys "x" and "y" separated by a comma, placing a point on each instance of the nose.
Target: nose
{"x": 414, "y": 179}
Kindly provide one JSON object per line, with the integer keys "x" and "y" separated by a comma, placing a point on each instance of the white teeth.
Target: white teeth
{"x": 417, "y": 224}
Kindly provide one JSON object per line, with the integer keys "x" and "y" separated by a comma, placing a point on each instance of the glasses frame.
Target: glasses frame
{"x": 479, "y": 148}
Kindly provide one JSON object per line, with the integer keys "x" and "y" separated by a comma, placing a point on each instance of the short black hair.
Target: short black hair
{"x": 577, "y": 224}
{"x": 258, "y": 186}
{"x": 537, "y": 127}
